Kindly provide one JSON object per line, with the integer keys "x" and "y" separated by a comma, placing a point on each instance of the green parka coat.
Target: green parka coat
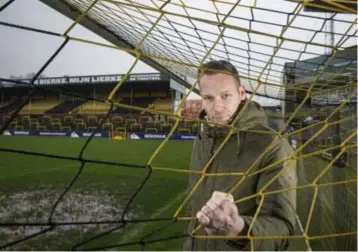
{"x": 243, "y": 150}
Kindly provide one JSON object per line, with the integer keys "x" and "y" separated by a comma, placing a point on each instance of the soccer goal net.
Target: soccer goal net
{"x": 77, "y": 191}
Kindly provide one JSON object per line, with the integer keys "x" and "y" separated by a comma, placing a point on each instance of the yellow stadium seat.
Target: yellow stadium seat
{"x": 12, "y": 125}
{"x": 92, "y": 119}
{"x": 117, "y": 119}
{"x": 19, "y": 127}
{"x": 151, "y": 130}
{"x": 77, "y": 121}
{"x": 91, "y": 129}
{"x": 120, "y": 129}
{"x": 131, "y": 121}
{"x": 165, "y": 127}
{"x": 136, "y": 127}
{"x": 56, "y": 126}
{"x": 68, "y": 119}
{"x": 34, "y": 120}
{"x": 56, "y": 121}
{"x": 81, "y": 126}
{"x": 107, "y": 127}
{"x": 41, "y": 128}
{"x": 183, "y": 131}
{"x": 144, "y": 119}
{"x": 34, "y": 126}
{"x": 47, "y": 119}
{"x": 66, "y": 128}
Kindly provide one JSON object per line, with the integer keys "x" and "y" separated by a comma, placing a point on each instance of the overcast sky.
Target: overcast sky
{"x": 24, "y": 52}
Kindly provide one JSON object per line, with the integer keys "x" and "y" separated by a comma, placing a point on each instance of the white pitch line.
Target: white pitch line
{"x": 40, "y": 171}
{"x": 158, "y": 213}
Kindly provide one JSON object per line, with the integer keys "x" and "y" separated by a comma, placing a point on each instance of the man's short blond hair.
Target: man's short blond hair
{"x": 219, "y": 66}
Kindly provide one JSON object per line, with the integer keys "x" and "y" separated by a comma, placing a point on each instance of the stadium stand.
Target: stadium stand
{"x": 38, "y": 107}
{"x": 92, "y": 108}
{"x": 163, "y": 104}
{"x": 65, "y": 107}
{"x": 142, "y": 102}
{"x": 11, "y": 105}
{"x": 58, "y": 112}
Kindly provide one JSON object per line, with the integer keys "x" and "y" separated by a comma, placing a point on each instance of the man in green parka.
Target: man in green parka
{"x": 254, "y": 151}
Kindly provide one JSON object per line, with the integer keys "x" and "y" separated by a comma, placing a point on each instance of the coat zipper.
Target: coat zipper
{"x": 214, "y": 178}
{"x": 216, "y": 166}
{"x": 212, "y": 147}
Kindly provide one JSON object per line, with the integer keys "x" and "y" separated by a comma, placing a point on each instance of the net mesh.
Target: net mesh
{"x": 273, "y": 47}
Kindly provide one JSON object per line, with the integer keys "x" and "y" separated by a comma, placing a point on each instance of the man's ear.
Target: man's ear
{"x": 242, "y": 91}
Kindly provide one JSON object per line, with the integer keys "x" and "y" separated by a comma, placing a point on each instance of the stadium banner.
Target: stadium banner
{"x": 80, "y": 134}
{"x": 147, "y": 136}
{"x": 72, "y": 134}
{"x": 89, "y": 79}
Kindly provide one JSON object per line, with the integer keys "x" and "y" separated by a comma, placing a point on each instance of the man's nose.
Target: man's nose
{"x": 218, "y": 106}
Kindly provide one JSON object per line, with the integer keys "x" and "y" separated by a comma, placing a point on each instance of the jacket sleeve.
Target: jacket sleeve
{"x": 190, "y": 225}
{"x": 277, "y": 214}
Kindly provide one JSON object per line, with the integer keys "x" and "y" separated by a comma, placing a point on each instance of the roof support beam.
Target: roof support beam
{"x": 108, "y": 35}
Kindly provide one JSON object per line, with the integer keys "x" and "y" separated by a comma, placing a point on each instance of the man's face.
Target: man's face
{"x": 221, "y": 96}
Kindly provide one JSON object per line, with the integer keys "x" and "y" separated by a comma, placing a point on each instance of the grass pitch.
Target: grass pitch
{"x": 31, "y": 184}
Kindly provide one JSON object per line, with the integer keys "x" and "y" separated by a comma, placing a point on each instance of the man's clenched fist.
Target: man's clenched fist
{"x": 220, "y": 215}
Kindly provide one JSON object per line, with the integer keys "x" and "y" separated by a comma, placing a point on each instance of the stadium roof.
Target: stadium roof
{"x": 343, "y": 63}
{"x": 176, "y": 37}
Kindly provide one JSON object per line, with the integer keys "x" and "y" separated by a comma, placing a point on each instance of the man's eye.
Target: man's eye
{"x": 208, "y": 98}
{"x": 225, "y": 96}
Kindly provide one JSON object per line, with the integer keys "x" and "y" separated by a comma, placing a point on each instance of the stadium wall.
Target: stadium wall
{"x": 101, "y": 134}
